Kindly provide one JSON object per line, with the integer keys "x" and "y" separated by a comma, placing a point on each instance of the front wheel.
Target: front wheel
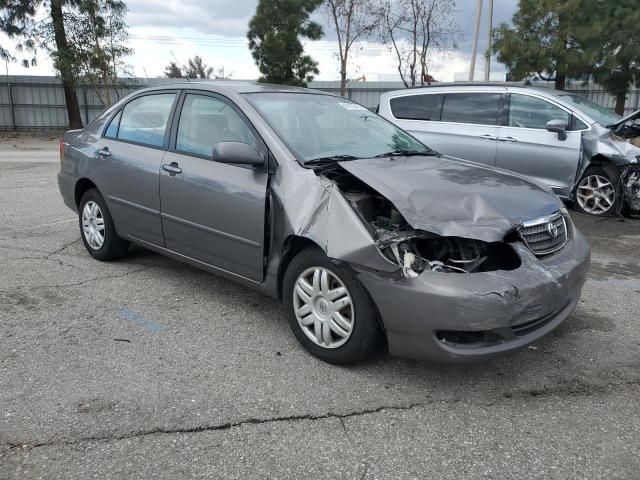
{"x": 329, "y": 311}
{"x": 97, "y": 230}
{"x": 596, "y": 193}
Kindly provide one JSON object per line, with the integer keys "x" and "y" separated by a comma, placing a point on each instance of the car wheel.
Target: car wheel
{"x": 596, "y": 193}
{"x": 329, "y": 311}
{"x": 96, "y": 228}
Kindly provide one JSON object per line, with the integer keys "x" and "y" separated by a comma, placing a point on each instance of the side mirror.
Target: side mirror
{"x": 559, "y": 127}
{"x": 237, "y": 153}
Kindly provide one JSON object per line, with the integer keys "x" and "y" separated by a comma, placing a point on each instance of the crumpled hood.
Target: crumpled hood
{"x": 632, "y": 116}
{"x": 455, "y": 197}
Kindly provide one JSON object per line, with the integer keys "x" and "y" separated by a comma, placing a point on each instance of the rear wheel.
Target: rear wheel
{"x": 596, "y": 193}
{"x": 97, "y": 230}
{"x": 329, "y": 311}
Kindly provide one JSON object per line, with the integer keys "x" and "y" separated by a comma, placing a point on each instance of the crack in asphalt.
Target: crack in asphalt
{"x": 83, "y": 282}
{"x": 223, "y": 426}
{"x": 576, "y": 389}
{"x": 45, "y": 256}
{"x": 64, "y": 247}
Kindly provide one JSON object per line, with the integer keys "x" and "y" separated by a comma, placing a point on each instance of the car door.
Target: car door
{"x": 213, "y": 212}
{"x": 463, "y": 125}
{"x": 127, "y": 164}
{"x": 525, "y": 146}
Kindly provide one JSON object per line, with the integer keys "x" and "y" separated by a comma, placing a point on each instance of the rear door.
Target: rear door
{"x": 213, "y": 212}
{"x": 463, "y": 125}
{"x": 525, "y": 146}
{"x": 127, "y": 164}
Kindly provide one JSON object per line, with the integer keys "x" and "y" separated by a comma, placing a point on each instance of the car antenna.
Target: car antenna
{"x": 178, "y": 63}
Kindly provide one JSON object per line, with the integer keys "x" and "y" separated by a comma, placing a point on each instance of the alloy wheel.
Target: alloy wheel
{"x": 93, "y": 225}
{"x": 596, "y": 194}
{"x": 323, "y": 307}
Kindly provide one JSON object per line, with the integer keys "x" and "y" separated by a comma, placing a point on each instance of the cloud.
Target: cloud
{"x": 206, "y": 17}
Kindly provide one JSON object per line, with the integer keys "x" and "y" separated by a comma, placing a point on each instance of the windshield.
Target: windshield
{"x": 318, "y": 128}
{"x": 600, "y": 114}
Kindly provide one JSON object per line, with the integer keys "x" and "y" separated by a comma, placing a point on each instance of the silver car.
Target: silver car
{"x": 367, "y": 236}
{"x": 583, "y": 151}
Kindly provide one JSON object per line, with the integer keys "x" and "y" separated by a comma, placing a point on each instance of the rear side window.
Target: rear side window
{"x": 417, "y": 107}
{"x": 473, "y": 108}
{"x": 205, "y": 121}
{"x": 532, "y": 112}
{"x": 112, "y": 129}
{"x": 144, "y": 120}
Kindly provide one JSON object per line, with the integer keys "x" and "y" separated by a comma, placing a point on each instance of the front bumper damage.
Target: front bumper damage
{"x": 433, "y": 316}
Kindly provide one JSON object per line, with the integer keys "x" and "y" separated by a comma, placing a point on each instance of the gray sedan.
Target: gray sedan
{"x": 368, "y": 237}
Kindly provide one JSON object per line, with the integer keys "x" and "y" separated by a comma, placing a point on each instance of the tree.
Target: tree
{"x": 274, "y": 40}
{"x": 615, "y": 40}
{"x": 97, "y": 37}
{"x": 173, "y": 70}
{"x": 416, "y": 30}
{"x": 8, "y": 57}
{"x": 17, "y": 19}
{"x": 196, "y": 68}
{"x": 352, "y": 20}
{"x": 547, "y": 39}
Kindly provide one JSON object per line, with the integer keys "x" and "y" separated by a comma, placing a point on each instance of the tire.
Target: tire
{"x": 596, "y": 193}
{"x": 94, "y": 218}
{"x": 359, "y": 318}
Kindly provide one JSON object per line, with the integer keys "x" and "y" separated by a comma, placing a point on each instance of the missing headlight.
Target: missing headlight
{"x": 454, "y": 255}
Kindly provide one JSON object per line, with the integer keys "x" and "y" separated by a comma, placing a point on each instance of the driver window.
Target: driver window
{"x": 532, "y": 112}
{"x": 205, "y": 121}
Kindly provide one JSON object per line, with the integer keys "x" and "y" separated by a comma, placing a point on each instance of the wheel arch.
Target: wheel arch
{"x": 291, "y": 246}
{"x": 609, "y": 167}
{"x": 81, "y": 187}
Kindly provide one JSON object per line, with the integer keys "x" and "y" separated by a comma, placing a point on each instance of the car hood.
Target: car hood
{"x": 453, "y": 197}
{"x": 633, "y": 116}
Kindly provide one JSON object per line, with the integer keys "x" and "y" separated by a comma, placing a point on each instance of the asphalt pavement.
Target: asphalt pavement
{"x": 148, "y": 368}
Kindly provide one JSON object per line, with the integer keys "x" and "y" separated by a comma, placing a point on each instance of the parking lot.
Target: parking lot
{"x": 149, "y": 368}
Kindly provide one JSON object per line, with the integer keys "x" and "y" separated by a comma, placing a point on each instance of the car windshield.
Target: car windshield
{"x": 323, "y": 128}
{"x": 600, "y": 114}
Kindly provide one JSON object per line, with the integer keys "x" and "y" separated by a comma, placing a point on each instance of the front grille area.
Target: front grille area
{"x": 545, "y": 235}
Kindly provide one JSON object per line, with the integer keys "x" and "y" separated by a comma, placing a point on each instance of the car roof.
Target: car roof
{"x": 227, "y": 86}
{"x": 480, "y": 86}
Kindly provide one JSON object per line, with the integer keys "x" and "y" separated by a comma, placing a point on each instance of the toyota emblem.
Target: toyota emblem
{"x": 552, "y": 228}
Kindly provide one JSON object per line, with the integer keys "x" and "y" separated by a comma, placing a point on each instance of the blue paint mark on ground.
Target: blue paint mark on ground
{"x": 138, "y": 319}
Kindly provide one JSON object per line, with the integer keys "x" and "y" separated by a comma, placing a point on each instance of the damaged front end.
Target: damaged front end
{"x": 417, "y": 251}
{"x": 617, "y": 148}
{"x": 461, "y": 262}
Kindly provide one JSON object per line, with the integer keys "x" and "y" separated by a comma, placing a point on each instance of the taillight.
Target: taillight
{"x": 61, "y": 148}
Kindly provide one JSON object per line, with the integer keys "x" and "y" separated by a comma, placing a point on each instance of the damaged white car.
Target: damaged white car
{"x": 367, "y": 236}
{"x": 583, "y": 151}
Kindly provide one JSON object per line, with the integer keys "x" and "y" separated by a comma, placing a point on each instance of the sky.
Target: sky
{"x": 160, "y": 31}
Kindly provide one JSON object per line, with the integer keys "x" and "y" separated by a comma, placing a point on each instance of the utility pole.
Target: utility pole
{"x": 487, "y": 68}
{"x": 474, "y": 50}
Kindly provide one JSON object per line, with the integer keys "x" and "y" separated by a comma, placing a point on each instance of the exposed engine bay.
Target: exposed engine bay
{"x": 629, "y": 130}
{"x": 416, "y": 251}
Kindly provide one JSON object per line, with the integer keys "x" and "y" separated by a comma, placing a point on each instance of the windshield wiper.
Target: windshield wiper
{"x": 405, "y": 153}
{"x": 331, "y": 159}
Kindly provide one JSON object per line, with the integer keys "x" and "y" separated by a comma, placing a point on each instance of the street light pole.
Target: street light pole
{"x": 474, "y": 50}
{"x": 487, "y": 68}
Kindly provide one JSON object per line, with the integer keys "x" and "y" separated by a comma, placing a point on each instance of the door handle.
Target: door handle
{"x": 507, "y": 139}
{"x": 172, "y": 168}
{"x": 488, "y": 137}
{"x": 104, "y": 152}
